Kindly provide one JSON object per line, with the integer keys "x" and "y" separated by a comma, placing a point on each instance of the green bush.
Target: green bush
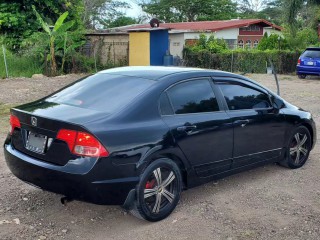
{"x": 252, "y": 61}
{"x": 272, "y": 42}
{"x": 209, "y": 44}
{"x": 304, "y": 38}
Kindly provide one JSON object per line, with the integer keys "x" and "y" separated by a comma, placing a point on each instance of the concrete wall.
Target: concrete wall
{"x": 227, "y": 33}
{"x": 271, "y": 31}
{"x": 176, "y": 43}
{"x": 109, "y": 48}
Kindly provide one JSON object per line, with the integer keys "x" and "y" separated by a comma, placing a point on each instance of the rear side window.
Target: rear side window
{"x": 311, "y": 54}
{"x": 102, "y": 92}
{"x": 193, "y": 97}
{"x": 240, "y": 97}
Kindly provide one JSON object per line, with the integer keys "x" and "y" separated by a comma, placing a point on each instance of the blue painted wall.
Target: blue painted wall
{"x": 159, "y": 44}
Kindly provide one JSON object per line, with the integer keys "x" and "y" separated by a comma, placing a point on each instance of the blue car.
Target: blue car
{"x": 309, "y": 63}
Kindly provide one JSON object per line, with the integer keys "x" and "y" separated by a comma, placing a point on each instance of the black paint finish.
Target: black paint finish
{"x": 205, "y": 145}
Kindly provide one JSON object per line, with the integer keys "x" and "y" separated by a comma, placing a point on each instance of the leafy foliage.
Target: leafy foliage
{"x": 250, "y": 6}
{"x": 99, "y": 13}
{"x": 300, "y": 14}
{"x": 210, "y": 44}
{"x": 59, "y": 28}
{"x": 189, "y": 10}
{"x": 18, "y": 21}
{"x": 272, "y": 42}
{"x": 304, "y": 38}
{"x": 122, "y": 21}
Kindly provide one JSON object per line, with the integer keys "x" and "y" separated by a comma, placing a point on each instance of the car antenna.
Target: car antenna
{"x": 275, "y": 75}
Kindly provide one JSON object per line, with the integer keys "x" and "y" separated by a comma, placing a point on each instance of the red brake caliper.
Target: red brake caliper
{"x": 150, "y": 184}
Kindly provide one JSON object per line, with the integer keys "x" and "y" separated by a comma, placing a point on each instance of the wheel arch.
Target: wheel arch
{"x": 174, "y": 155}
{"x": 309, "y": 127}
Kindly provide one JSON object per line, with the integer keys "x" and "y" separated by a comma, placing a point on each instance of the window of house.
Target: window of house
{"x": 232, "y": 43}
{"x": 251, "y": 28}
{"x": 240, "y": 44}
{"x": 255, "y": 43}
{"x": 240, "y": 97}
{"x": 255, "y": 28}
{"x": 194, "y": 96}
{"x": 248, "y": 44}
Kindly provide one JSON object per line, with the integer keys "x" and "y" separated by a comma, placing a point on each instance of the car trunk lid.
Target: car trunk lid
{"x": 40, "y": 123}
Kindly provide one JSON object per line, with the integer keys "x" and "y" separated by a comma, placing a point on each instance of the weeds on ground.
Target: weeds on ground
{"x": 19, "y": 66}
{"x": 4, "y": 117}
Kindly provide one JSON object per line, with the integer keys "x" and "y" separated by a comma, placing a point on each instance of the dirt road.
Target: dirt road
{"x": 270, "y": 202}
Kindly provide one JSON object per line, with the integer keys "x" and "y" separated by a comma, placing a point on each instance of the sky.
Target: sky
{"x": 134, "y": 11}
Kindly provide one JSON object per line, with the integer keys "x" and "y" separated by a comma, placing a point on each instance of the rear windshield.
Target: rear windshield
{"x": 102, "y": 92}
{"x": 311, "y": 54}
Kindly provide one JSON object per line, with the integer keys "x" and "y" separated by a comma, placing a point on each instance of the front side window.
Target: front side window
{"x": 194, "y": 96}
{"x": 240, "y": 97}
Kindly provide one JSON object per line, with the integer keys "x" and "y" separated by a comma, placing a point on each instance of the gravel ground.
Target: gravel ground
{"x": 270, "y": 202}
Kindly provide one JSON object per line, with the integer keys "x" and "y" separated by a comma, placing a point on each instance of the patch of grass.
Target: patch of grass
{"x": 4, "y": 117}
{"x": 19, "y": 66}
{"x": 5, "y": 109}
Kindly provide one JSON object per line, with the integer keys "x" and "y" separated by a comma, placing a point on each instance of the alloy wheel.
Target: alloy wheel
{"x": 160, "y": 189}
{"x": 299, "y": 148}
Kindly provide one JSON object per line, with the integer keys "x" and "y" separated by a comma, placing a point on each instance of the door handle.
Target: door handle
{"x": 187, "y": 128}
{"x": 242, "y": 123}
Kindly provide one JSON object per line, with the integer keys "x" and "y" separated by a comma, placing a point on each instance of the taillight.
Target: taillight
{"x": 299, "y": 61}
{"x": 14, "y": 122}
{"x": 82, "y": 144}
{"x": 68, "y": 136}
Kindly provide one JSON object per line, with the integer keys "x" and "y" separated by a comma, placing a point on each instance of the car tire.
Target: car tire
{"x": 158, "y": 191}
{"x": 298, "y": 148}
{"x": 302, "y": 76}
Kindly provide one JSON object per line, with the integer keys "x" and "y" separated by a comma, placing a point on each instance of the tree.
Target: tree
{"x": 99, "y": 13}
{"x": 59, "y": 28}
{"x": 271, "y": 10}
{"x": 272, "y": 42}
{"x": 18, "y": 21}
{"x": 304, "y": 38}
{"x": 122, "y": 21}
{"x": 252, "y": 6}
{"x": 295, "y": 8}
{"x": 189, "y": 10}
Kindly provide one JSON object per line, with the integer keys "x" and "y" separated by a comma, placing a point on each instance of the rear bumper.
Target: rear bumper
{"x": 306, "y": 70}
{"x": 66, "y": 180}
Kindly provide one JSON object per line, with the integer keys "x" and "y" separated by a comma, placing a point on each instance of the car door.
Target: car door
{"x": 199, "y": 126}
{"x": 259, "y": 129}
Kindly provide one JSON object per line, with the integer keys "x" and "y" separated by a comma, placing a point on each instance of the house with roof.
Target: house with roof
{"x": 238, "y": 33}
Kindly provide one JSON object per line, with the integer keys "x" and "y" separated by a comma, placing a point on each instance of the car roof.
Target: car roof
{"x": 154, "y": 72}
{"x": 313, "y": 48}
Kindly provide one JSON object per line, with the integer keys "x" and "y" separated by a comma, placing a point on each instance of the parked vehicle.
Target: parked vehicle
{"x": 309, "y": 63}
{"x": 138, "y": 136}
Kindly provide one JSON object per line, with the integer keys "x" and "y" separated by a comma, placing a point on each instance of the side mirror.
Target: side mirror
{"x": 278, "y": 103}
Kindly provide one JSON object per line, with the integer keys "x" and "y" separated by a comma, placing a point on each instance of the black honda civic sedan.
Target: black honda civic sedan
{"x": 138, "y": 136}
